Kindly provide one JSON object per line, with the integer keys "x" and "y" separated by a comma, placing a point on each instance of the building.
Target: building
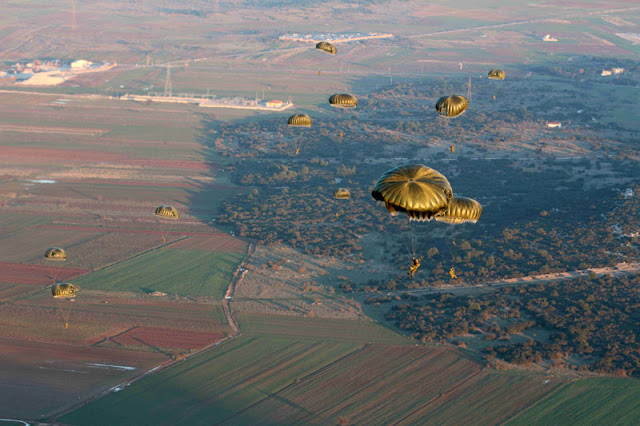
{"x": 617, "y": 70}
{"x": 628, "y": 193}
{"x": 605, "y": 72}
{"x": 80, "y": 63}
{"x": 549, "y": 38}
{"x": 274, "y": 104}
{"x": 554, "y": 124}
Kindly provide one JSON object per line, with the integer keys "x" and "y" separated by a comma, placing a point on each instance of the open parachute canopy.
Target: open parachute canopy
{"x": 497, "y": 75}
{"x": 343, "y": 100}
{"x": 55, "y": 253}
{"x": 342, "y": 194}
{"x": 417, "y": 190}
{"x": 299, "y": 120}
{"x": 461, "y": 210}
{"x": 327, "y": 47}
{"x": 452, "y": 106}
{"x": 64, "y": 291}
{"x": 168, "y": 212}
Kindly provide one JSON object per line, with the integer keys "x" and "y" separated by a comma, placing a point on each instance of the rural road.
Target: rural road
{"x": 620, "y": 270}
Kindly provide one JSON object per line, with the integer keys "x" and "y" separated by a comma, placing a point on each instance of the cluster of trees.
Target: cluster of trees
{"x": 591, "y": 324}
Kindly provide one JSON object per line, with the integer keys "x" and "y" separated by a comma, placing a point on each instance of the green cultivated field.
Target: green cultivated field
{"x": 587, "y": 402}
{"x": 172, "y": 271}
{"x": 213, "y": 386}
{"x": 311, "y": 328}
{"x": 277, "y": 379}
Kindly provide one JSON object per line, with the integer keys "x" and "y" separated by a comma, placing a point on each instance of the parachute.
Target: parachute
{"x": 56, "y": 253}
{"x": 460, "y": 210}
{"x": 64, "y": 291}
{"x": 343, "y": 100}
{"x": 452, "y": 106}
{"x": 299, "y": 120}
{"x": 497, "y": 75}
{"x": 168, "y": 212}
{"x": 342, "y": 194}
{"x": 417, "y": 190}
{"x": 327, "y": 47}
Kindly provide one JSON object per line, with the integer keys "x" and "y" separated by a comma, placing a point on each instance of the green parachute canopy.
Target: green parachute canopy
{"x": 417, "y": 190}
{"x": 342, "y": 194}
{"x": 343, "y": 100}
{"x": 452, "y": 106}
{"x": 168, "y": 212}
{"x": 64, "y": 291}
{"x": 55, "y": 253}
{"x": 461, "y": 210}
{"x": 497, "y": 75}
{"x": 327, "y": 47}
{"x": 299, "y": 120}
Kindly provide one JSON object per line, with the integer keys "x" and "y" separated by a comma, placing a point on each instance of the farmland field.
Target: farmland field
{"x": 173, "y": 271}
{"x": 589, "y": 402}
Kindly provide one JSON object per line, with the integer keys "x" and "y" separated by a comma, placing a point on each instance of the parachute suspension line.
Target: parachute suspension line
{"x": 412, "y": 225}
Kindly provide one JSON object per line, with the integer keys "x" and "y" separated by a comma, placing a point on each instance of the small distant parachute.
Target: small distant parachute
{"x": 168, "y": 212}
{"x": 327, "y": 47}
{"x": 64, "y": 291}
{"x": 417, "y": 190}
{"x": 461, "y": 210}
{"x": 343, "y": 100}
{"x": 497, "y": 75}
{"x": 56, "y": 253}
{"x": 299, "y": 120}
{"x": 342, "y": 194}
{"x": 452, "y": 106}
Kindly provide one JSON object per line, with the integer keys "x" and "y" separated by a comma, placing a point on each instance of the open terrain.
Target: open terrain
{"x": 270, "y": 301}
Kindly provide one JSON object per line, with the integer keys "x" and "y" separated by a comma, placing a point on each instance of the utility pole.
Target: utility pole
{"x": 167, "y": 83}
{"x": 469, "y": 90}
{"x": 74, "y": 23}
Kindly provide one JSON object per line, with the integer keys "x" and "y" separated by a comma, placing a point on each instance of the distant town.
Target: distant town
{"x": 50, "y": 72}
{"x": 333, "y": 37}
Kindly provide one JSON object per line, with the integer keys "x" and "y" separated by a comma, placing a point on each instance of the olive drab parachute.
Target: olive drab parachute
{"x": 64, "y": 291}
{"x": 452, "y": 106}
{"x": 55, "y": 253}
{"x": 327, "y": 47}
{"x": 299, "y": 120}
{"x": 342, "y": 194}
{"x": 497, "y": 75}
{"x": 461, "y": 210}
{"x": 168, "y": 212}
{"x": 343, "y": 100}
{"x": 417, "y": 190}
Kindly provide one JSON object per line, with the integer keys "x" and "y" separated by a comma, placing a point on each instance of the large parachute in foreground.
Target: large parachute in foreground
{"x": 452, "y": 106}
{"x": 168, "y": 212}
{"x": 461, "y": 210}
{"x": 497, "y": 75}
{"x": 55, "y": 253}
{"x": 299, "y": 120}
{"x": 417, "y": 190}
{"x": 325, "y": 46}
{"x": 343, "y": 100}
{"x": 64, "y": 291}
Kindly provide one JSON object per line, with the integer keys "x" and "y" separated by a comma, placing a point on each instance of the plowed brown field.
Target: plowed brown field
{"x": 166, "y": 338}
{"x": 36, "y": 274}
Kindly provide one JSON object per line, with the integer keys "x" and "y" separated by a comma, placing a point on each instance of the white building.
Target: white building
{"x": 80, "y": 63}
{"x": 605, "y": 72}
{"x": 617, "y": 70}
{"x": 554, "y": 124}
